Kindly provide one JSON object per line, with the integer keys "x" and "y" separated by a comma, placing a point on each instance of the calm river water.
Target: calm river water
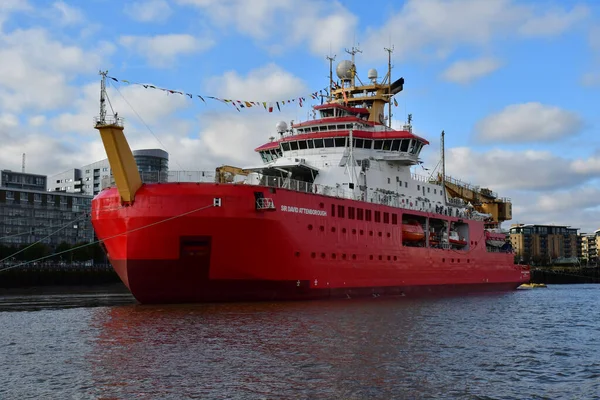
{"x": 535, "y": 344}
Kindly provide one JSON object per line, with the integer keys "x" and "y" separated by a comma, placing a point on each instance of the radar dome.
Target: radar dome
{"x": 372, "y": 74}
{"x": 344, "y": 70}
{"x": 281, "y": 127}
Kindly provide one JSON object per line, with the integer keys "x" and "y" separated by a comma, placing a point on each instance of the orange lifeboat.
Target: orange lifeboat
{"x": 412, "y": 231}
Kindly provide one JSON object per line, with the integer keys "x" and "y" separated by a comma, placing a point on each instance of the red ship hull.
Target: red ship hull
{"x": 172, "y": 245}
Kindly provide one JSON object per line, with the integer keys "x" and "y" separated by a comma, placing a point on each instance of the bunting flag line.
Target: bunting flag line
{"x": 237, "y": 104}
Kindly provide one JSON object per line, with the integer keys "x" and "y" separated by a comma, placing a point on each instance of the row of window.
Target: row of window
{"x": 411, "y": 146}
{"x": 380, "y": 257}
{"x": 364, "y": 215}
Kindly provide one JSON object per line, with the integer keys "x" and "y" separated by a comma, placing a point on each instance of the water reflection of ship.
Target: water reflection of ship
{"x": 282, "y": 350}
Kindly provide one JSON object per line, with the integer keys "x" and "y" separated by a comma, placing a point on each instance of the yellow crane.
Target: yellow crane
{"x": 227, "y": 173}
{"x": 483, "y": 199}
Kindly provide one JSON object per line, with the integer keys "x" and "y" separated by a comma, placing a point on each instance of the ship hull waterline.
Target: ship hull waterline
{"x": 173, "y": 245}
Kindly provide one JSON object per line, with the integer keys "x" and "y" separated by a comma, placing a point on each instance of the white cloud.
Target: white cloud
{"x": 68, "y": 15}
{"x": 585, "y": 197}
{"x": 520, "y": 170}
{"x": 249, "y": 129}
{"x": 554, "y": 22}
{"x": 41, "y": 68}
{"x": 10, "y": 6}
{"x": 316, "y": 23}
{"x": 148, "y": 11}
{"x": 438, "y": 27}
{"x": 528, "y": 122}
{"x": 162, "y": 50}
{"x": 466, "y": 71}
{"x": 261, "y": 84}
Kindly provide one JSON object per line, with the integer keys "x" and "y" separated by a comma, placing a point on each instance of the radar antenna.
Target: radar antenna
{"x": 390, "y": 50}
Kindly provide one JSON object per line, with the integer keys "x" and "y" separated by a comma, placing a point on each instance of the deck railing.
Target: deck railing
{"x": 377, "y": 196}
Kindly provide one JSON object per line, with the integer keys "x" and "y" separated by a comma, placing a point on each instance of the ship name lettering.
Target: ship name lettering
{"x": 301, "y": 210}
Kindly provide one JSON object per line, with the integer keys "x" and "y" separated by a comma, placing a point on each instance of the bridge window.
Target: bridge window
{"x": 386, "y": 218}
{"x": 285, "y": 146}
{"x": 368, "y": 144}
{"x": 395, "y": 145}
{"x": 328, "y": 142}
{"x": 358, "y": 143}
{"x": 359, "y": 214}
{"x": 367, "y": 215}
{"x": 341, "y": 211}
{"x": 387, "y": 144}
{"x": 350, "y": 212}
{"x": 310, "y": 144}
{"x": 318, "y": 143}
{"x": 294, "y": 145}
{"x": 378, "y": 144}
{"x": 340, "y": 142}
{"x": 340, "y": 127}
{"x": 404, "y": 146}
{"x": 302, "y": 145}
{"x": 377, "y": 216}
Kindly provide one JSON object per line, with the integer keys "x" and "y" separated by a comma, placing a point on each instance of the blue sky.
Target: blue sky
{"x": 514, "y": 84}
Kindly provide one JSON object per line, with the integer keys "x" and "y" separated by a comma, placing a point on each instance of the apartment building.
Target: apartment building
{"x": 544, "y": 244}
{"x": 29, "y": 213}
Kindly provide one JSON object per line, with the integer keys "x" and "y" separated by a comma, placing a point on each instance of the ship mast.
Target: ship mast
{"x": 102, "y": 117}
{"x": 389, "y": 50}
{"x": 443, "y": 166}
{"x": 353, "y": 52}
{"x": 331, "y": 59}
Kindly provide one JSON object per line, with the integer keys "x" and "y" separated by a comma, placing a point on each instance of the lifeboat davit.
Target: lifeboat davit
{"x": 495, "y": 239}
{"x": 412, "y": 231}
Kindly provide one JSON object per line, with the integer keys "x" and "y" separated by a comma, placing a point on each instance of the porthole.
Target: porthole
{"x": 310, "y": 227}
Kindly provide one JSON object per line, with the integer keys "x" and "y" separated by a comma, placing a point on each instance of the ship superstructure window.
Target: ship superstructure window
{"x": 318, "y": 143}
{"x": 341, "y": 211}
{"x": 294, "y": 145}
{"x": 394, "y": 219}
{"x": 285, "y": 146}
{"x": 328, "y": 142}
{"x": 302, "y": 145}
{"x": 386, "y": 218}
{"x": 367, "y": 215}
{"x": 333, "y": 210}
{"x": 350, "y": 212}
{"x": 377, "y": 216}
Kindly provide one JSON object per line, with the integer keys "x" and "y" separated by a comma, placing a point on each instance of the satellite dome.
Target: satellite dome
{"x": 344, "y": 70}
{"x": 372, "y": 74}
{"x": 281, "y": 127}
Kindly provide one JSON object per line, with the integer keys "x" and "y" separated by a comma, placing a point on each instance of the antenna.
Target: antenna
{"x": 443, "y": 165}
{"x": 102, "y": 118}
{"x": 352, "y": 52}
{"x": 390, "y": 50}
{"x": 23, "y": 164}
{"x": 331, "y": 59}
